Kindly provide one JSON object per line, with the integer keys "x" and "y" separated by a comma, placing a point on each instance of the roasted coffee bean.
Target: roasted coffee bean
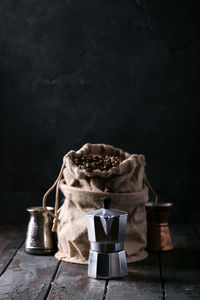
{"x": 98, "y": 162}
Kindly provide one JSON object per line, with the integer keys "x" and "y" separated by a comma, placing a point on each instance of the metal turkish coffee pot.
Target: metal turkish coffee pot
{"x": 39, "y": 237}
{"x": 158, "y": 233}
{"x": 106, "y": 233}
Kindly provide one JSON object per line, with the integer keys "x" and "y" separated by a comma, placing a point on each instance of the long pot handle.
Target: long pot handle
{"x": 56, "y": 184}
{"x": 153, "y": 192}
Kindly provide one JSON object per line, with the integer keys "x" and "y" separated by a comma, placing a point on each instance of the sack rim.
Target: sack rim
{"x": 118, "y": 170}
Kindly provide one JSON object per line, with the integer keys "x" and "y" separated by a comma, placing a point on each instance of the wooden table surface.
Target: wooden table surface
{"x": 170, "y": 275}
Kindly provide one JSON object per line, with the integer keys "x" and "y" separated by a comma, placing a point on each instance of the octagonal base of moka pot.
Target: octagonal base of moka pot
{"x": 107, "y": 265}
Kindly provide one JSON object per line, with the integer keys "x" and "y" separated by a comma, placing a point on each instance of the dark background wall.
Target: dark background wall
{"x": 124, "y": 73}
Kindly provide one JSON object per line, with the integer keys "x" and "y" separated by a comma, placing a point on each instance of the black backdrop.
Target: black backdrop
{"x": 122, "y": 72}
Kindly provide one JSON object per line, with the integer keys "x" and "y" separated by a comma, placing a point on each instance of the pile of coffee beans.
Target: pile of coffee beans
{"x": 98, "y": 162}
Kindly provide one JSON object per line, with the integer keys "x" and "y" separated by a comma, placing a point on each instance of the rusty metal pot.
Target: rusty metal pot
{"x": 158, "y": 233}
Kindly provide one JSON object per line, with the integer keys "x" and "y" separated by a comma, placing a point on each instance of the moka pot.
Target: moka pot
{"x": 106, "y": 233}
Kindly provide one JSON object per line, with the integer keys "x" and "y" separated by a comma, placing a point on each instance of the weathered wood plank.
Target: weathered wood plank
{"x": 11, "y": 238}
{"x": 72, "y": 282}
{"x": 27, "y": 276}
{"x": 181, "y": 267}
{"x": 143, "y": 282}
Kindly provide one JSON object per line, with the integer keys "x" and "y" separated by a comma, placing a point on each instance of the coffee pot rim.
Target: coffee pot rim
{"x": 39, "y": 208}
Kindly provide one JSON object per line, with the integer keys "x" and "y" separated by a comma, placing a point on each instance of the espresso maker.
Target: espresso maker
{"x": 106, "y": 233}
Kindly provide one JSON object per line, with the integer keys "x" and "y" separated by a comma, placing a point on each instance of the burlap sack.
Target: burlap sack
{"x": 126, "y": 185}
